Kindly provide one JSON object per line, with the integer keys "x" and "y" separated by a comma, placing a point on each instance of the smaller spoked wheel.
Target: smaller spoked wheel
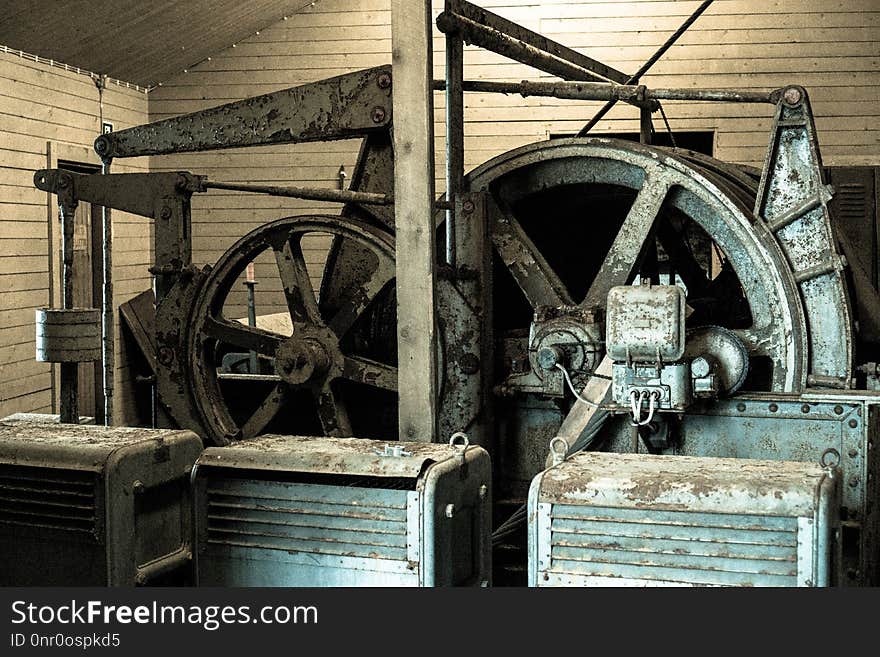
{"x": 266, "y": 354}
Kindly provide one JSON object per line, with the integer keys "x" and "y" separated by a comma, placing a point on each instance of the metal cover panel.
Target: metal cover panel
{"x": 75, "y": 446}
{"x": 645, "y": 323}
{"x": 354, "y": 522}
{"x": 695, "y": 484}
{"x": 294, "y": 534}
{"x": 341, "y": 456}
{"x": 673, "y": 546}
{"x": 42, "y": 499}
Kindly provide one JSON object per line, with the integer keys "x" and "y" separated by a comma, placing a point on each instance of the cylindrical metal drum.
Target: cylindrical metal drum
{"x": 68, "y": 336}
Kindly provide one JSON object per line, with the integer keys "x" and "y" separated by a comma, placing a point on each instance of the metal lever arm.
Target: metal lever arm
{"x": 342, "y": 107}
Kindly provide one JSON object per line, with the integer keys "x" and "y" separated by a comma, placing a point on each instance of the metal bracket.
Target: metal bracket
{"x": 342, "y": 107}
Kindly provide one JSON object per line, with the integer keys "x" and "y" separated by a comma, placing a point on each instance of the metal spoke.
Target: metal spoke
{"x": 534, "y": 276}
{"x": 686, "y": 265}
{"x": 332, "y": 413}
{"x": 240, "y": 335}
{"x": 622, "y": 260}
{"x": 301, "y": 300}
{"x": 267, "y": 410}
{"x": 370, "y": 372}
{"x": 359, "y": 298}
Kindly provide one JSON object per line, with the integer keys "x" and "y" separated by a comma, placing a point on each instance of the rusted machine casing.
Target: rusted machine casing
{"x": 294, "y": 511}
{"x": 601, "y": 519}
{"x": 94, "y": 506}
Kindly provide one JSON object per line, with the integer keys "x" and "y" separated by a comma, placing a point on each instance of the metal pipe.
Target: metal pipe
{"x": 108, "y": 329}
{"x": 414, "y": 219}
{"x": 648, "y": 64}
{"x": 635, "y": 94}
{"x": 69, "y": 411}
{"x": 310, "y": 193}
{"x": 454, "y": 134}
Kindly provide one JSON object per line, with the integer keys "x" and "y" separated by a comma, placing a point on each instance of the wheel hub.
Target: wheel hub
{"x": 311, "y": 356}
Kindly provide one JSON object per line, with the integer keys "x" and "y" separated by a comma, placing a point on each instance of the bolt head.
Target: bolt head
{"x": 792, "y": 95}
{"x": 467, "y": 207}
{"x": 484, "y": 490}
{"x": 378, "y": 114}
{"x": 166, "y": 355}
{"x": 450, "y": 510}
{"x": 384, "y": 80}
{"x": 165, "y": 213}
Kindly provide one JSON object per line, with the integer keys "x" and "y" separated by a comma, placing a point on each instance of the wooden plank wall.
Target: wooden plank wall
{"x": 831, "y": 48}
{"x": 40, "y": 104}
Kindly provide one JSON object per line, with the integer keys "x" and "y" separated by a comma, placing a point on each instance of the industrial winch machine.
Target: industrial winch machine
{"x": 669, "y": 359}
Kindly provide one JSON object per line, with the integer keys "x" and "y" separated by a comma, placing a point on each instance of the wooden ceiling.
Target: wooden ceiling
{"x": 141, "y": 42}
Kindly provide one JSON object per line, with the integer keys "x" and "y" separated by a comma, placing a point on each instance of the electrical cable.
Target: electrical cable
{"x": 577, "y": 396}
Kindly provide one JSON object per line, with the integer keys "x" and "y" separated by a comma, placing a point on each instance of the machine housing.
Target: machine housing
{"x": 296, "y": 511}
{"x": 94, "y": 506}
{"x": 602, "y": 519}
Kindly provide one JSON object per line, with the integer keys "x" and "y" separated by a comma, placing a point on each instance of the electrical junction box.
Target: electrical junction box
{"x": 607, "y": 519}
{"x": 85, "y": 505}
{"x": 645, "y": 323}
{"x": 298, "y": 511}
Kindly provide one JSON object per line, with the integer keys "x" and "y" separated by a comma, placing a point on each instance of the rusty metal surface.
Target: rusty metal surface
{"x": 638, "y": 95}
{"x": 641, "y": 520}
{"x": 696, "y": 192}
{"x": 793, "y": 201}
{"x": 492, "y": 32}
{"x": 311, "y": 193}
{"x": 47, "y": 444}
{"x": 315, "y": 356}
{"x": 336, "y": 108}
{"x": 327, "y": 455}
{"x": 685, "y": 483}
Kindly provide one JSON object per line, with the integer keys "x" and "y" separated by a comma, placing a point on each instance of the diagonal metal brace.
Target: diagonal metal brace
{"x": 492, "y": 32}
{"x": 342, "y": 107}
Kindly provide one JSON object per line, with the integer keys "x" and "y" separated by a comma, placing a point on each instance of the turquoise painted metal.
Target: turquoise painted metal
{"x": 295, "y": 511}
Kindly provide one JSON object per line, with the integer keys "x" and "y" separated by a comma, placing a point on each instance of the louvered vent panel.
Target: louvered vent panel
{"x": 308, "y": 518}
{"x": 673, "y": 546}
{"x": 48, "y": 498}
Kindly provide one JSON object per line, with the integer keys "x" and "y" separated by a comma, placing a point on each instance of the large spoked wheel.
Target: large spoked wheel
{"x": 574, "y": 217}
{"x": 313, "y": 371}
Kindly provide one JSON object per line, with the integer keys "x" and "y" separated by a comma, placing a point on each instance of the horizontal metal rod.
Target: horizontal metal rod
{"x": 318, "y": 194}
{"x": 310, "y": 193}
{"x": 635, "y": 94}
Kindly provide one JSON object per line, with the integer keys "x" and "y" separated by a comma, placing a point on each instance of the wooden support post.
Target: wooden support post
{"x": 414, "y": 217}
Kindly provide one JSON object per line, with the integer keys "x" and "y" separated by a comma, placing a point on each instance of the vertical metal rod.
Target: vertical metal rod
{"x": 454, "y": 133}
{"x": 250, "y": 282}
{"x": 413, "y": 214}
{"x": 648, "y": 64}
{"x": 108, "y": 341}
{"x": 646, "y": 128}
{"x": 69, "y": 371}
